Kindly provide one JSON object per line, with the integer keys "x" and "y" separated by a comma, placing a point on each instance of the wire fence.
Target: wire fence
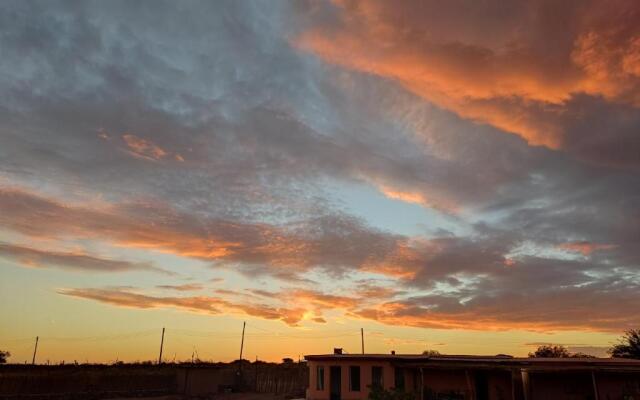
{"x": 187, "y": 342}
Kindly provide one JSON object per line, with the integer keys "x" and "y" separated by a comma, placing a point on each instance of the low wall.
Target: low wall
{"x": 84, "y": 381}
{"x": 105, "y": 381}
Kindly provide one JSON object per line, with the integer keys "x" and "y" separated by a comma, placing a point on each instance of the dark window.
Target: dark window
{"x": 335, "y": 382}
{"x": 376, "y": 377}
{"x": 320, "y": 378}
{"x": 354, "y": 379}
{"x": 399, "y": 379}
{"x": 482, "y": 385}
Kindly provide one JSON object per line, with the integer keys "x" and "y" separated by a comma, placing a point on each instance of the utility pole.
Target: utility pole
{"x": 239, "y": 380}
{"x": 362, "y": 339}
{"x": 161, "y": 345}
{"x": 242, "y": 342}
{"x": 35, "y": 350}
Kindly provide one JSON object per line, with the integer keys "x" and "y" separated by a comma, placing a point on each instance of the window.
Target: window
{"x": 320, "y": 377}
{"x": 376, "y": 377}
{"x": 399, "y": 379}
{"x": 354, "y": 379}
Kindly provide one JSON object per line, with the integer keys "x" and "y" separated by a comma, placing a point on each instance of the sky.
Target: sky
{"x": 458, "y": 176}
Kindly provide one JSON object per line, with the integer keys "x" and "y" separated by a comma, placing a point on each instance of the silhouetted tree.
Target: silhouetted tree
{"x": 4, "y": 355}
{"x": 582, "y": 355}
{"x": 431, "y": 353}
{"x": 629, "y": 346}
{"x": 549, "y": 351}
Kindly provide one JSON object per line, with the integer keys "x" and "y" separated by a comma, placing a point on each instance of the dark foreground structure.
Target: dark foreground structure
{"x": 351, "y": 377}
{"x": 67, "y": 382}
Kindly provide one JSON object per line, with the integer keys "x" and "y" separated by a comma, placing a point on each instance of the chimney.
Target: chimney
{"x": 393, "y": 352}
{"x": 337, "y": 350}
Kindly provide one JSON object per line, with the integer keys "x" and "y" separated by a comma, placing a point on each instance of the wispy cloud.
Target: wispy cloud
{"x": 204, "y": 304}
{"x": 187, "y": 287}
{"x": 78, "y": 261}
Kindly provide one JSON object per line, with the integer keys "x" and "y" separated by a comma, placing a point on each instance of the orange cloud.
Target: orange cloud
{"x": 309, "y": 303}
{"x": 147, "y": 150}
{"x": 506, "y": 312}
{"x": 187, "y": 287}
{"x": 436, "y": 200}
{"x": 199, "y": 304}
{"x": 78, "y": 261}
{"x": 517, "y": 80}
{"x": 322, "y": 300}
{"x": 143, "y": 148}
{"x": 586, "y": 248}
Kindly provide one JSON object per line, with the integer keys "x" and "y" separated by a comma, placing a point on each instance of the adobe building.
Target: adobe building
{"x": 351, "y": 376}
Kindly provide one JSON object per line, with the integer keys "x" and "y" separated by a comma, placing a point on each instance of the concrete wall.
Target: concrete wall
{"x": 108, "y": 381}
{"x": 203, "y": 381}
{"x": 561, "y": 386}
{"x": 500, "y": 385}
{"x": 579, "y": 385}
{"x": 462, "y": 383}
{"x": 62, "y": 380}
{"x": 445, "y": 382}
{"x": 617, "y": 386}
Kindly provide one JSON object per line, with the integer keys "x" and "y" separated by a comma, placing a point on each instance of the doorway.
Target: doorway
{"x": 482, "y": 385}
{"x": 335, "y": 381}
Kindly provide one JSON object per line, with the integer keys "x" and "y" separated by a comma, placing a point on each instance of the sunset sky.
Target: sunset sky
{"x": 462, "y": 176}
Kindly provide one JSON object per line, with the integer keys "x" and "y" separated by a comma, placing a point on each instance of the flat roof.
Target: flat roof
{"x": 479, "y": 361}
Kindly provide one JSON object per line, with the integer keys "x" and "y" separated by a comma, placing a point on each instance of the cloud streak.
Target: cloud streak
{"x": 76, "y": 261}
{"x": 199, "y": 304}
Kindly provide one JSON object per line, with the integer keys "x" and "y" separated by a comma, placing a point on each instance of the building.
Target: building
{"x": 351, "y": 377}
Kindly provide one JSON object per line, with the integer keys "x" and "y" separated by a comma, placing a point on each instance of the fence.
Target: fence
{"x": 102, "y": 381}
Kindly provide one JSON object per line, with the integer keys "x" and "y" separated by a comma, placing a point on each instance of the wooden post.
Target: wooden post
{"x": 161, "y": 345}
{"x": 595, "y": 385}
{"x": 469, "y": 386}
{"x": 256, "y": 384}
{"x": 526, "y": 388}
{"x": 239, "y": 376}
{"x": 187, "y": 382}
{"x": 242, "y": 342}
{"x": 35, "y": 350}
{"x": 421, "y": 384}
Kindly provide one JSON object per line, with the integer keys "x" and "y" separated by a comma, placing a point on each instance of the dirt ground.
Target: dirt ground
{"x": 221, "y": 396}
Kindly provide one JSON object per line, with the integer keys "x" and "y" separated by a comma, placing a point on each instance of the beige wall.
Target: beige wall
{"x": 365, "y": 378}
{"x": 435, "y": 381}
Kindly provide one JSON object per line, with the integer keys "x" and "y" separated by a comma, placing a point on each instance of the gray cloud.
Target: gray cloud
{"x": 206, "y": 131}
